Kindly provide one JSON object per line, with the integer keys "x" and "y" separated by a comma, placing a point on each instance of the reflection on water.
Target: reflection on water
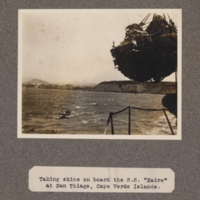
{"x": 89, "y": 112}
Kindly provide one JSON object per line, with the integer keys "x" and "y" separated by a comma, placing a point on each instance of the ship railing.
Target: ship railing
{"x": 111, "y": 114}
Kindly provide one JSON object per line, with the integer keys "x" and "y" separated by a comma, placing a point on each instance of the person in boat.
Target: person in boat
{"x": 67, "y": 112}
{"x": 64, "y": 113}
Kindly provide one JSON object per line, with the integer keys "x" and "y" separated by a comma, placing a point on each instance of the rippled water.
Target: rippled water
{"x": 90, "y": 111}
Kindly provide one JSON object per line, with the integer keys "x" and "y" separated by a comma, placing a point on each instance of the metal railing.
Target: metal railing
{"x": 110, "y": 118}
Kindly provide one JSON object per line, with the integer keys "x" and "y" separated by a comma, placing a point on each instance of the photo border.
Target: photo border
{"x": 178, "y": 136}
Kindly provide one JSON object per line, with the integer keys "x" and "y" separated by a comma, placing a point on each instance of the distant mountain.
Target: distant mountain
{"x": 36, "y": 81}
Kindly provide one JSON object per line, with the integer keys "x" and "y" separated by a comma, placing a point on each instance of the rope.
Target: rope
{"x": 113, "y": 113}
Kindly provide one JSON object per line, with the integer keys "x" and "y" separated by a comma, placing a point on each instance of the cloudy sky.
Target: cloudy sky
{"x": 63, "y": 46}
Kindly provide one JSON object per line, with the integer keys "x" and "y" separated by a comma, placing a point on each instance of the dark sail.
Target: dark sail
{"x": 147, "y": 54}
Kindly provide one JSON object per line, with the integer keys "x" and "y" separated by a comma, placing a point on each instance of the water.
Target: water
{"x": 90, "y": 111}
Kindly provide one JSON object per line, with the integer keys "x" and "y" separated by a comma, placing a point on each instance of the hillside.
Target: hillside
{"x": 40, "y": 84}
{"x": 36, "y": 81}
{"x": 135, "y": 87}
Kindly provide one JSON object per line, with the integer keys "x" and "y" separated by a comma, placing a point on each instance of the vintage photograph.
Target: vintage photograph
{"x": 99, "y": 73}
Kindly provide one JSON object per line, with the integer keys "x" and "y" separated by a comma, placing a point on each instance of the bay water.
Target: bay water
{"x": 90, "y": 111}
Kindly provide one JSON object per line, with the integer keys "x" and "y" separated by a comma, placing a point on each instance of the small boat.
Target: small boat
{"x": 64, "y": 114}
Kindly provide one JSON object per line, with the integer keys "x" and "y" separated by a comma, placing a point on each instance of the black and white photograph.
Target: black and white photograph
{"x": 99, "y": 73}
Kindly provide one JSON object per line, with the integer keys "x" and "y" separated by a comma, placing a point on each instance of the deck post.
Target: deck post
{"x": 129, "y": 123}
{"x": 112, "y": 126}
{"x": 168, "y": 122}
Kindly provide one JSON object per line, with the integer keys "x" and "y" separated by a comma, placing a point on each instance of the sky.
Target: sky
{"x": 73, "y": 45}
